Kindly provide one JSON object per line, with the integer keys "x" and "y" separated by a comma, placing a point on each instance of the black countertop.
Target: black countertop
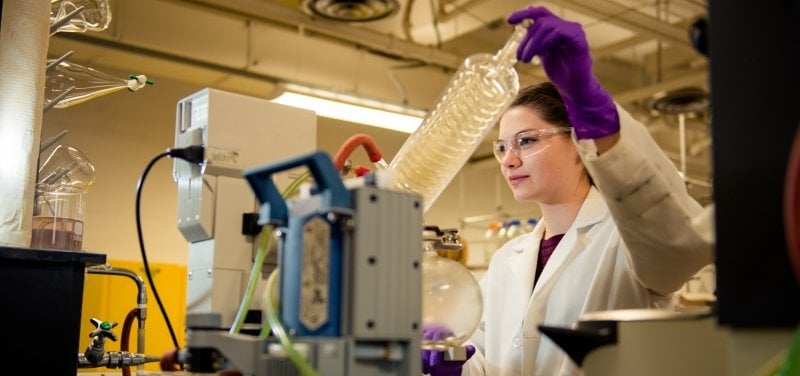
{"x": 34, "y": 254}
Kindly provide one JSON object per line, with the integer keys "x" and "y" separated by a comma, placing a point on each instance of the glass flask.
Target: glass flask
{"x": 473, "y": 101}
{"x": 66, "y": 166}
{"x": 451, "y": 300}
{"x": 95, "y": 15}
{"x": 88, "y": 83}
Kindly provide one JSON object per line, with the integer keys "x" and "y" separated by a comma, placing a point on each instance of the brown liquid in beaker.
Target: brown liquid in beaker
{"x": 57, "y": 233}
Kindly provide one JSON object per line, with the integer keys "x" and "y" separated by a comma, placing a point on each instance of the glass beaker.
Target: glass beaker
{"x": 58, "y": 218}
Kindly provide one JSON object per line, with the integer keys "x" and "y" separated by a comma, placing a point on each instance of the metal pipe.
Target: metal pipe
{"x": 682, "y": 135}
{"x": 141, "y": 299}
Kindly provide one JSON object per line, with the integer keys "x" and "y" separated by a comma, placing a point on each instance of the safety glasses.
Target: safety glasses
{"x": 527, "y": 143}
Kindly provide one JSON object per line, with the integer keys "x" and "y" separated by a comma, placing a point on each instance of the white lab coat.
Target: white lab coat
{"x": 637, "y": 262}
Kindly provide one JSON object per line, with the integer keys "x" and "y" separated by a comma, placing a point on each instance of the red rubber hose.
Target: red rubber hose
{"x": 124, "y": 344}
{"x": 351, "y": 143}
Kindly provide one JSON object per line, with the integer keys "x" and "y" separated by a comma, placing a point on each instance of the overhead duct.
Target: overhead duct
{"x": 351, "y": 10}
{"x": 681, "y": 101}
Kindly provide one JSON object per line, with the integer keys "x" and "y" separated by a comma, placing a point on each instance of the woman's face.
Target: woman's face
{"x": 549, "y": 175}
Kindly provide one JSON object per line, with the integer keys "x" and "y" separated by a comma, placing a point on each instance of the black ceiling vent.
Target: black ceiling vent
{"x": 681, "y": 101}
{"x": 351, "y": 10}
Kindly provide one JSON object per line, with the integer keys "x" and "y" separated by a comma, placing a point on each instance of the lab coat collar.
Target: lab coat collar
{"x": 592, "y": 211}
{"x": 525, "y": 250}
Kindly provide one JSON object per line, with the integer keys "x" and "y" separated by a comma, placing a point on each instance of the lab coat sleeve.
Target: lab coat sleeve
{"x": 665, "y": 230}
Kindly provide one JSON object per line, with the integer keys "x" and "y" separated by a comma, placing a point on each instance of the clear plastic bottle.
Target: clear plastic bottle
{"x": 530, "y": 224}
{"x": 514, "y": 229}
{"x": 473, "y": 101}
{"x": 501, "y": 233}
{"x": 490, "y": 241}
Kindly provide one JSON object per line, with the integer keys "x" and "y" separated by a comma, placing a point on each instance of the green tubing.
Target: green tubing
{"x": 292, "y": 188}
{"x": 791, "y": 365}
{"x": 261, "y": 255}
{"x": 271, "y": 312}
{"x": 255, "y": 272}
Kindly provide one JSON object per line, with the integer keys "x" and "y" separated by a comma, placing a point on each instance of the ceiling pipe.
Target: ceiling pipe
{"x": 695, "y": 78}
{"x": 387, "y": 44}
{"x": 633, "y": 20}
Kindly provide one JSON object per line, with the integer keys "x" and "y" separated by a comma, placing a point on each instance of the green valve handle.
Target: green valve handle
{"x": 94, "y": 352}
{"x": 103, "y": 329}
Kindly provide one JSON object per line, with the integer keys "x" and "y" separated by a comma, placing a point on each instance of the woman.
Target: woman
{"x": 616, "y": 230}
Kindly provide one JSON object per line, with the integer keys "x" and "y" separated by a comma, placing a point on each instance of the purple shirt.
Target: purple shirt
{"x": 546, "y": 249}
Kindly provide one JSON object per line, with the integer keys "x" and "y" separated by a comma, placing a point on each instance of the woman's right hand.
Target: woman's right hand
{"x": 567, "y": 60}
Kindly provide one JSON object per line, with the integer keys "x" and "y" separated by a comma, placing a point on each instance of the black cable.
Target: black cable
{"x": 193, "y": 154}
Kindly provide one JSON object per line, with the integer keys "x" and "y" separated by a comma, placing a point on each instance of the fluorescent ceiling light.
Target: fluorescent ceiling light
{"x": 352, "y": 109}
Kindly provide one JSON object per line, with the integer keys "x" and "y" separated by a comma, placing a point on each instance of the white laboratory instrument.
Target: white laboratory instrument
{"x": 237, "y": 132}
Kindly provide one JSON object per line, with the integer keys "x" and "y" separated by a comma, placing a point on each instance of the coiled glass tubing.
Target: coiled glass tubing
{"x": 473, "y": 101}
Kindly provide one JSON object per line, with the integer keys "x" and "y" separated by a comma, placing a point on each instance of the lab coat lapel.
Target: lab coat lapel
{"x": 522, "y": 262}
{"x": 574, "y": 241}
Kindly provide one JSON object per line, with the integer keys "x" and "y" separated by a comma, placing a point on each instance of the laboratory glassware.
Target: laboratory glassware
{"x": 60, "y": 200}
{"x": 92, "y": 15}
{"x": 451, "y": 299}
{"x": 58, "y": 218}
{"x": 70, "y": 84}
{"x": 514, "y": 229}
{"x": 491, "y": 241}
{"x": 67, "y": 166}
{"x": 466, "y": 111}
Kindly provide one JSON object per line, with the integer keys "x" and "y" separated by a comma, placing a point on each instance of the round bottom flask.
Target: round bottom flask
{"x": 451, "y": 301}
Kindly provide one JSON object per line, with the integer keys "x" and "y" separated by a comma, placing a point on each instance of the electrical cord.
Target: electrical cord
{"x": 191, "y": 154}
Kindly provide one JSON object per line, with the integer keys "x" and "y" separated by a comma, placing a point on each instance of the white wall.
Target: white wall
{"x": 123, "y": 131}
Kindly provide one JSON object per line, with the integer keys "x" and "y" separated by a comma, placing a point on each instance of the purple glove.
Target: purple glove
{"x": 564, "y": 51}
{"x": 433, "y": 362}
